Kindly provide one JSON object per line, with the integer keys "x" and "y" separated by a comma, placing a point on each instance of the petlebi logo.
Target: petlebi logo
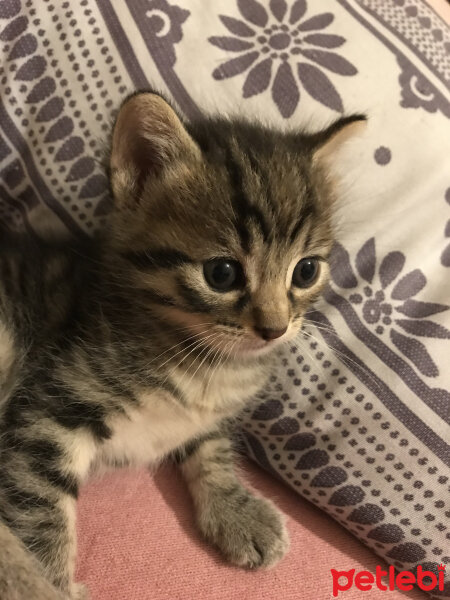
{"x": 403, "y": 580}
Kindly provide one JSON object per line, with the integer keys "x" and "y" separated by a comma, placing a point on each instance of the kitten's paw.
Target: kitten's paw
{"x": 79, "y": 592}
{"x": 249, "y": 531}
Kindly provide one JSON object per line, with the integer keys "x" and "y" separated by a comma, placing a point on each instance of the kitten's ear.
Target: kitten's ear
{"x": 148, "y": 137}
{"x": 326, "y": 143}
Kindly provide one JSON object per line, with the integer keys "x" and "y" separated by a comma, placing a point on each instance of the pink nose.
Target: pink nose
{"x": 270, "y": 334}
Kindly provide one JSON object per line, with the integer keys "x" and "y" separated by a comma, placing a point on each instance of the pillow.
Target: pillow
{"x": 356, "y": 415}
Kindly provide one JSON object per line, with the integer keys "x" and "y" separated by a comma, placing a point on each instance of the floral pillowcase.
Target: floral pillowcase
{"x": 356, "y": 416}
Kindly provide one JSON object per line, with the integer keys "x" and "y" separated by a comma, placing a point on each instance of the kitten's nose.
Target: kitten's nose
{"x": 270, "y": 334}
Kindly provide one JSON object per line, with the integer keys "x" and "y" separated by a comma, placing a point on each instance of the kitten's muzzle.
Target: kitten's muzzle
{"x": 267, "y": 334}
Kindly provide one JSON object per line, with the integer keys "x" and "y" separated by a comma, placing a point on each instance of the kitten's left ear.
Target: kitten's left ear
{"x": 148, "y": 137}
{"x": 326, "y": 143}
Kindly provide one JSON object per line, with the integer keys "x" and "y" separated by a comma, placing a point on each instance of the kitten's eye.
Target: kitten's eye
{"x": 306, "y": 272}
{"x": 223, "y": 274}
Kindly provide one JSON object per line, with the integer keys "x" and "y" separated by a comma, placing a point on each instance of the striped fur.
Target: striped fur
{"x": 118, "y": 352}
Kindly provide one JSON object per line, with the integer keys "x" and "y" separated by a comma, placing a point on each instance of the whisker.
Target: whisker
{"x": 212, "y": 367}
{"x": 183, "y": 349}
{"x": 220, "y": 361}
{"x": 201, "y": 342}
{"x": 200, "y": 365}
{"x": 346, "y": 360}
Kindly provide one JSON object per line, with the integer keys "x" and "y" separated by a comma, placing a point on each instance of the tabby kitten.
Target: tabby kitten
{"x": 146, "y": 342}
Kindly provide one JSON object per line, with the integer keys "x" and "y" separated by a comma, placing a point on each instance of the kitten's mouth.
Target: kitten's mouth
{"x": 256, "y": 346}
{"x": 246, "y": 347}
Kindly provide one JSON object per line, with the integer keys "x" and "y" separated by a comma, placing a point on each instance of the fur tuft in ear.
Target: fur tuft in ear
{"x": 148, "y": 137}
{"x": 326, "y": 143}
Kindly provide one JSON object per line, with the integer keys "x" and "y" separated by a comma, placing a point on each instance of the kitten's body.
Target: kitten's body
{"x": 92, "y": 386}
{"x": 88, "y": 383}
{"x": 117, "y": 352}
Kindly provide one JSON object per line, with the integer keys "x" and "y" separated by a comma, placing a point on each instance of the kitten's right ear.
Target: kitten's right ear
{"x": 148, "y": 137}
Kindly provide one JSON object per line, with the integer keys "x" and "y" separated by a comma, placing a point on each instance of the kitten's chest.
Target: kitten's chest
{"x": 146, "y": 433}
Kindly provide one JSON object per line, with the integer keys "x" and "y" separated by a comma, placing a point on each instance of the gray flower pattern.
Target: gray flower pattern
{"x": 445, "y": 256}
{"x": 281, "y": 48}
{"x": 418, "y": 92}
{"x": 308, "y": 443}
{"x": 164, "y": 26}
{"x": 387, "y": 301}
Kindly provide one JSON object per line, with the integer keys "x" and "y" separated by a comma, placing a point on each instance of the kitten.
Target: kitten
{"x": 146, "y": 342}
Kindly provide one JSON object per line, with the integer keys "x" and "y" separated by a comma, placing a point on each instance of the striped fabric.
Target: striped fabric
{"x": 356, "y": 417}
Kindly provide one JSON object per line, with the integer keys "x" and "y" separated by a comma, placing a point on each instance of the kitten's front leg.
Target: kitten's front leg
{"x": 20, "y": 575}
{"x": 37, "y": 503}
{"x": 249, "y": 531}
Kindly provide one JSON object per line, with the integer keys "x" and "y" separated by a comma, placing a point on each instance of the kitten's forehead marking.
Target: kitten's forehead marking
{"x": 247, "y": 214}
{"x": 272, "y": 199}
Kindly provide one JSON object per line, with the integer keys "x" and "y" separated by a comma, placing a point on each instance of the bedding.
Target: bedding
{"x": 356, "y": 416}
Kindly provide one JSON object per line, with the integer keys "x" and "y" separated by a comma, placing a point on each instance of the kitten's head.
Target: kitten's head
{"x": 222, "y": 227}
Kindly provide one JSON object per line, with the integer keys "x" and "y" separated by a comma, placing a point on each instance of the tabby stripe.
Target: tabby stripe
{"x": 193, "y": 298}
{"x": 242, "y": 500}
{"x": 70, "y": 412}
{"x": 170, "y": 387}
{"x": 307, "y": 212}
{"x": 163, "y": 258}
{"x": 244, "y": 234}
{"x": 265, "y": 180}
{"x": 112, "y": 383}
{"x": 245, "y": 211}
{"x": 296, "y": 229}
{"x": 25, "y": 499}
{"x": 257, "y": 216}
{"x": 190, "y": 448}
{"x": 16, "y": 495}
{"x": 235, "y": 488}
{"x": 221, "y": 460}
{"x": 156, "y": 297}
{"x": 44, "y": 454}
{"x": 66, "y": 483}
{"x": 308, "y": 239}
{"x": 42, "y": 450}
{"x": 242, "y": 302}
{"x": 40, "y": 539}
{"x": 15, "y": 412}
{"x": 85, "y": 415}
